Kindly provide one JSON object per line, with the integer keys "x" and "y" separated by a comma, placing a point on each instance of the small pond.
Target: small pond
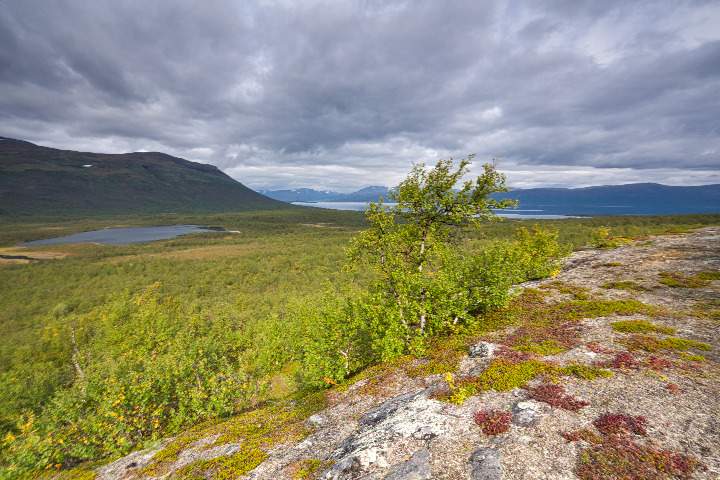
{"x": 123, "y": 236}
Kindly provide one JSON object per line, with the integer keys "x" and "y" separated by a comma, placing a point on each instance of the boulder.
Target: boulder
{"x": 416, "y": 468}
{"x": 485, "y": 464}
{"x": 482, "y": 350}
{"x": 526, "y": 413}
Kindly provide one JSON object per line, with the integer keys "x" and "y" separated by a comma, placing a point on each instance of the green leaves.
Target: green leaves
{"x": 421, "y": 282}
{"x": 150, "y": 368}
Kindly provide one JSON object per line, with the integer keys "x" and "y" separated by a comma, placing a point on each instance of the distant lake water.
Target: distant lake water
{"x": 515, "y": 213}
{"x": 123, "y": 236}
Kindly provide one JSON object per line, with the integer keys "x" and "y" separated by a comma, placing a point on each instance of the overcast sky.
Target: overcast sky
{"x": 343, "y": 94}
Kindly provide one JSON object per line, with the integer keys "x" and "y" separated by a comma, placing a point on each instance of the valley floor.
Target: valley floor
{"x": 656, "y": 371}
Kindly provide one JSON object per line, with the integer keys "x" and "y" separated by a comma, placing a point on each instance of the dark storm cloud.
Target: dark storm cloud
{"x": 343, "y": 94}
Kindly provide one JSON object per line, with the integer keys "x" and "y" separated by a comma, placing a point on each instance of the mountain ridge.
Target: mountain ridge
{"x": 39, "y": 180}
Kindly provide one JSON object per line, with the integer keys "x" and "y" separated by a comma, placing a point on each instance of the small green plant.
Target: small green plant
{"x": 502, "y": 375}
{"x": 692, "y": 357}
{"x": 308, "y": 468}
{"x": 679, "y": 280}
{"x": 650, "y": 343}
{"x": 602, "y": 237}
{"x": 625, "y": 285}
{"x": 579, "y": 293}
{"x": 640, "y": 326}
{"x": 257, "y": 431}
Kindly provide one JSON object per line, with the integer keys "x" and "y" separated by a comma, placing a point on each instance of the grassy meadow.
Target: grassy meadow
{"x": 207, "y": 293}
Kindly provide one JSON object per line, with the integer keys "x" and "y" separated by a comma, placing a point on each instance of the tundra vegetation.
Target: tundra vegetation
{"x": 115, "y": 347}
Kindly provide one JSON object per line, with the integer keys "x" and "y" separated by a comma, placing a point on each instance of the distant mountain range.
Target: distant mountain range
{"x": 634, "y": 198}
{"x": 37, "y": 180}
{"x": 367, "y": 194}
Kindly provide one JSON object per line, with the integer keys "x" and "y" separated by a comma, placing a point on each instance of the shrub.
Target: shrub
{"x": 423, "y": 284}
{"x": 493, "y": 422}
{"x": 408, "y": 247}
{"x": 150, "y": 376}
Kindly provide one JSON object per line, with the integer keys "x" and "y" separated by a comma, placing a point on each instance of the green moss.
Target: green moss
{"x": 546, "y": 347}
{"x": 224, "y": 468}
{"x": 586, "y": 372}
{"x": 580, "y": 293}
{"x": 650, "y": 343}
{"x": 308, "y": 468}
{"x": 443, "y": 356}
{"x": 502, "y": 375}
{"x": 640, "y": 326}
{"x": 678, "y": 280}
{"x": 692, "y": 357}
{"x": 256, "y": 430}
{"x": 580, "y": 309}
{"x": 625, "y": 285}
{"x": 709, "y": 275}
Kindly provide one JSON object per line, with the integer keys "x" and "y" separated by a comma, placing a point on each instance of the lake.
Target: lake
{"x": 123, "y": 236}
{"x": 515, "y": 213}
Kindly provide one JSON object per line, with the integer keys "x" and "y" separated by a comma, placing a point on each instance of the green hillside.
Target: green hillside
{"x": 37, "y": 180}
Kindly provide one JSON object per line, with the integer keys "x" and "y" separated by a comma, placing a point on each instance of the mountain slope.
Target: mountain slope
{"x": 36, "y": 180}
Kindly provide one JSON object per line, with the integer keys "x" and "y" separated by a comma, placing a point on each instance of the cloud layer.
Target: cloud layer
{"x": 343, "y": 94}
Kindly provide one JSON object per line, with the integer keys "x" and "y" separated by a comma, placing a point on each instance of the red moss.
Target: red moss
{"x": 658, "y": 363}
{"x": 555, "y": 396}
{"x": 493, "y": 422}
{"x": 623, "y": 360}
{"x": 585, "y": 434}
{"x": 615, "y": 454}
{"x": 620, "y": 424}
{"x": 623, "y": 458}
{"x": 673, "y": 388}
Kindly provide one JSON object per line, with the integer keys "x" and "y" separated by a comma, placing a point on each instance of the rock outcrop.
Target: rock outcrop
{"x": 400, "y": 427}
